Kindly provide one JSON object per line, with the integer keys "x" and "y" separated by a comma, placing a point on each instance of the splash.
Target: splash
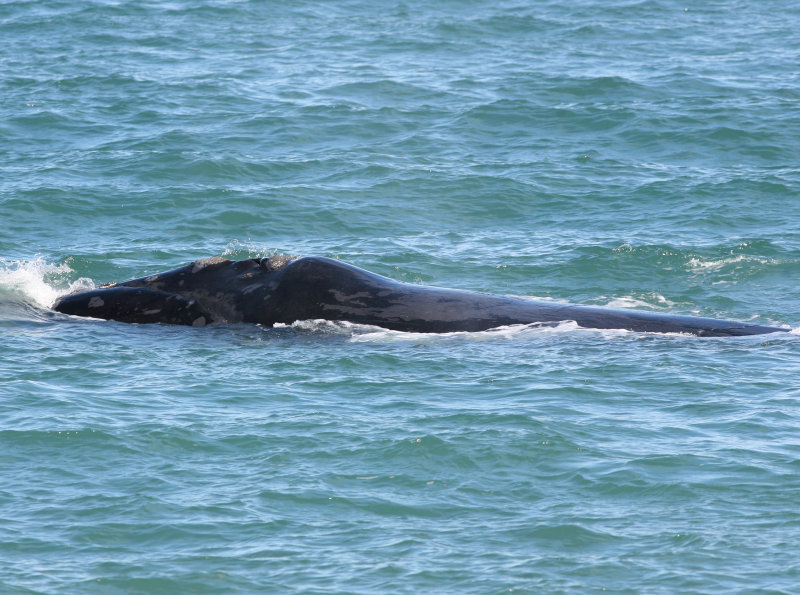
{"x": 36, "y": 282}
{"x": 237, "y": 249}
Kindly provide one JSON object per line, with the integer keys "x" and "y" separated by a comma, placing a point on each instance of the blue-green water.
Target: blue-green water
{"x": 631, "y": 153}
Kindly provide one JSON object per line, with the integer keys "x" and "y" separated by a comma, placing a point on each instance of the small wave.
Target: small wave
{"x": 720, "y": 263}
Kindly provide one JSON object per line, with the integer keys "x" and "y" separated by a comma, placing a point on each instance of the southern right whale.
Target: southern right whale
{"x": 280, "y": 290}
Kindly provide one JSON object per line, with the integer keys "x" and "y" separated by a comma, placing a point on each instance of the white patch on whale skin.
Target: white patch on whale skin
{"x": 350, "y": 299}
{"x": 199, "y": 321}
{"x": 151, "y": 312}
{"x": 199, "y": 265}
{"x": 96, "y": 302}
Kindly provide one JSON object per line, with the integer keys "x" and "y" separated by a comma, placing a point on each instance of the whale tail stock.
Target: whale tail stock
{"x": 656, "y": 322}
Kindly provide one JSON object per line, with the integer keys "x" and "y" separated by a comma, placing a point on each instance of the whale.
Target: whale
{"x": 281, "y": 289}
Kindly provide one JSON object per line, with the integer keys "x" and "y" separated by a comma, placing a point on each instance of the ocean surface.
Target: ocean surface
{"x": 631, "y": 153}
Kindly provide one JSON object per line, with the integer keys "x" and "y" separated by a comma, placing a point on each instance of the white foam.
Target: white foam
{"x": 329, "y": 327}
{"x": 361, "y": 333}
{"x": 629, "y": 301}
{"x": 370, "y": 334}
{"x": 38, "y": 281}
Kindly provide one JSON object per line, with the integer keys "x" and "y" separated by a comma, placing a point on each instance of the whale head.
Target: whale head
{"x": 207, "y": 291}
{"x": 135, "y": 304}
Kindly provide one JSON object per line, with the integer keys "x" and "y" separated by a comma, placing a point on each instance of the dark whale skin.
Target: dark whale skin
{"x": 269, "y": 291}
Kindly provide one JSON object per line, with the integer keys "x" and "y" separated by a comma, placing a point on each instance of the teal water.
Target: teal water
{"x": 628, "y": 153}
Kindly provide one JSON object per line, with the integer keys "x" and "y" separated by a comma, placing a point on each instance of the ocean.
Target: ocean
{"x": 629, "y": 153}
